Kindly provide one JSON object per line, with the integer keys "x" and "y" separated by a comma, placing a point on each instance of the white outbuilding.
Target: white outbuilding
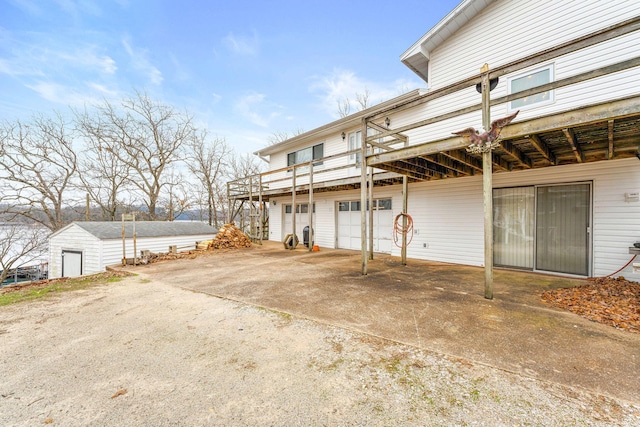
{"x": 88, "y": 247}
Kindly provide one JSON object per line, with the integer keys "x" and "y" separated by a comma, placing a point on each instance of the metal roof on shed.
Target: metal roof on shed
{"x": 113, "y": 230}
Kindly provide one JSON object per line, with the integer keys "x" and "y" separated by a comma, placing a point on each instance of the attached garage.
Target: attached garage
{"x": 88, "y": 247}
{"x": 348, "y": 219}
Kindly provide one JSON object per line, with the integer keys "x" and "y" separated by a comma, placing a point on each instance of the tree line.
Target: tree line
{"x": 138, "y": 155}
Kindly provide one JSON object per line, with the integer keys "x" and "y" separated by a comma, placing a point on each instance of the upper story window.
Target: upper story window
{"x": 306, "y": 155}
{"x": 532, "y": 79}
{"x": 355, "y": 142}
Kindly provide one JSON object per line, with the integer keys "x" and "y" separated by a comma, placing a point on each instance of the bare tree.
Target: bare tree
{"x": 144, "y": 135}
{"x": 207, "y": 161}
{"x": 279, "y": 136}
{"x": 344, "y": 106}
{"x": 37, "y": 165}
{"x": 103, "y": 176}
{"x": 20, "y": 244}
{"x": 362, "y": 98}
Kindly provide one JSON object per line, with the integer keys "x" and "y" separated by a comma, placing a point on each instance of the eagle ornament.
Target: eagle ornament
{"x": 486, "y": 141}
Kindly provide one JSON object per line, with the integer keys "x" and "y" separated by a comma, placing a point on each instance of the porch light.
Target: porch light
{"x": 343, "y": 136}
{"x": 387, "y": 121}
{"x": 492, "y": 85}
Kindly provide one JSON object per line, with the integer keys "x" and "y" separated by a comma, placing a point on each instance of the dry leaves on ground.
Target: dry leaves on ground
{"x": 612, "y": 301}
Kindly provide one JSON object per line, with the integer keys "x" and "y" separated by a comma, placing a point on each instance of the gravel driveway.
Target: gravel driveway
{"x": 144, "y": 353}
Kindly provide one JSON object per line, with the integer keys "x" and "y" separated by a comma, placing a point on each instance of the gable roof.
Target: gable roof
{"x": 113, "y": 229}
{"x": 417, "y": 56}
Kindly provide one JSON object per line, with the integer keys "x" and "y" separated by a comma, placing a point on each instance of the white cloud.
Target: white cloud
{"x": 254, "y": 108}
{"x": 242, "y": 45}
{"x": 87, "y": 57}
{"x": 140, "y": 62}
{"x": 342, "y": 84}
{"x": 61, "y": 94}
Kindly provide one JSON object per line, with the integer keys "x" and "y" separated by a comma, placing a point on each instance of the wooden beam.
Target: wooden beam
{"x": 500, "y": 163}
{"x": 464, "y": 158}
{"x": 571, "y": 137}
{"x": 448, "y": 163}
{"x": 516, "y": 154}
{"x": 381, "y": 128}
{"x": 399, "y": 167}
{"x": 610, "y": 134}
{"x": 542, "y": 148}
{"x": 487, "y": 188}
{"x": 610, "y": 110}
{"x": 454, "y": 143}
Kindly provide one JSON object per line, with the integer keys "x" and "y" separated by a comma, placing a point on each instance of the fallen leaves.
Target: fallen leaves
{"x": 611, "y": 301}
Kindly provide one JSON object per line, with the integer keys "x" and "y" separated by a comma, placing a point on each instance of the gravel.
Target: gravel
{"x": 140, "y": 353}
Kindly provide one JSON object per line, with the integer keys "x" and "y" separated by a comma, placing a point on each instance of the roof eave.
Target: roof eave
{"x": 416, "y": 57}
{"x": 340, "y": 124}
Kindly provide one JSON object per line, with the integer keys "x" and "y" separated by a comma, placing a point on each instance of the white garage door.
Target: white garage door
{"x": 302, "y": 219}
{"x": 349, "y": 225}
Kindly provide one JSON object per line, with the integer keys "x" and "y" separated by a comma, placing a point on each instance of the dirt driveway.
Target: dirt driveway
{"x": 147, "y": 351}
{"x": 439, "y": 307}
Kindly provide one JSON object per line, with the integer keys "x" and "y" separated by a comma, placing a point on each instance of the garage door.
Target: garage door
{"x": 348, "y": 218}
{"x": 302, "y": 219}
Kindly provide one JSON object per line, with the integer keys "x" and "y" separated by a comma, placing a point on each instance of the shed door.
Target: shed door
{"x": 71, "y": 263}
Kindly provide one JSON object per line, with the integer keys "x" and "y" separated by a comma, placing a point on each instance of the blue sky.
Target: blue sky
{"x": 243, "y": 69}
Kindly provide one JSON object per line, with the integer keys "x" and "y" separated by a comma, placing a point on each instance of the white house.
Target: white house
{"x": 564, "y": 182}
{"x": 88, "y": 247}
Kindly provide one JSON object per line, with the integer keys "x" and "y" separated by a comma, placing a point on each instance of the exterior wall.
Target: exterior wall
{"x": 448, "y": 214}
{"x": 508, "y": 30}
{"x": 97, "y": 254}
{"x": 74, "y": 238}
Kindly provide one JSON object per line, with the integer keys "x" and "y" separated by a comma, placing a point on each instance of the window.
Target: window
{"x": 300, "y": 208}
{"x": 306, "y": 155}
{"x": 355, "y": 142}
{"x": 532, "y": 79}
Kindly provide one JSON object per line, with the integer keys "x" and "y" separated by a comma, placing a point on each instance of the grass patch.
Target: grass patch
{"x": 43, "y": 289}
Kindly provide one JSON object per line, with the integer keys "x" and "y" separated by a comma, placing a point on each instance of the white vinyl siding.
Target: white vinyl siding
{"x": 448, "y": 214}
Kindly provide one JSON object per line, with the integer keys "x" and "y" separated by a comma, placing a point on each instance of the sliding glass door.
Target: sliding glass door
{"x": 513, "y": 226}
{"x": 543, "y": 228}
{"x": 562, "y": 228}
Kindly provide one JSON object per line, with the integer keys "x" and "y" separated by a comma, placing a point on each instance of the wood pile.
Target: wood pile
{"x": 230, "y": 237}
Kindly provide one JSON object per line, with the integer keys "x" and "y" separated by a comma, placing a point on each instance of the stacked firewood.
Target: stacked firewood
{"x": 230, "y": 237}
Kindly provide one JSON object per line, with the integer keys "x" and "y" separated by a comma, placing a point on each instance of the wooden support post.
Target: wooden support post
{"x": 405, "y": 208}
{"x": 310, "y": 206}
{"x": 260, "y": 209}
{"x": 405, "y": 200}
{"x": 87, "y": 213}
{"x": 487, "y": 189}
{"x": 293, "y": 202}
{"x": 363, "y": 196}
{"x": 124, "y": 246}
{"x": 252, "y": 221}
{"x": 370, "y": 188}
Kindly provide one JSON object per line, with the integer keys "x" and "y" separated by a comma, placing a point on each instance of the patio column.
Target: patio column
{"x": 310, "y": 206}
{"x": 487, "y": 188}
